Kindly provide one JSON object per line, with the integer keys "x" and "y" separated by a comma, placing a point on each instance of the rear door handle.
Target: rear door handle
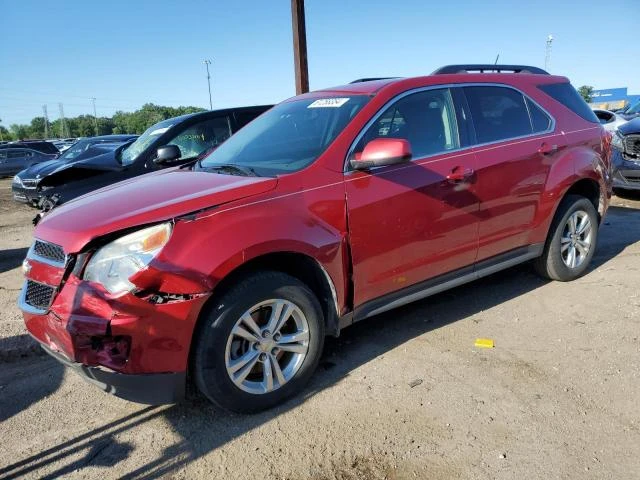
{"x": 548, "y": 149}
{"x": 460, "y": 174}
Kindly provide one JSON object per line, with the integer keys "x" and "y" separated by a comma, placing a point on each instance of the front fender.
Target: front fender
{"x": 204, "y": 250}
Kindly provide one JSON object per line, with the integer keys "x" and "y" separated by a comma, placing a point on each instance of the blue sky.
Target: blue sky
{"x": 126, "y": 53}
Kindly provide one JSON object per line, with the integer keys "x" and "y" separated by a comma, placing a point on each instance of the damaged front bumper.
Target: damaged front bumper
{"x": 626, "y": 171}
{"x": 151, "y": 389}
{"x": 130, "y": 346}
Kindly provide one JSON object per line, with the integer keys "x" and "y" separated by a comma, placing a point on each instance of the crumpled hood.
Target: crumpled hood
{"x": 41, "y": 168}
{"x": 632, "y": 126}
{"x": 142, "y": 200}
{"x": 104, "y": 162}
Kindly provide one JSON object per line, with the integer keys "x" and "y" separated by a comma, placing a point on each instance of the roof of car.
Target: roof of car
{"x": 219, "y": 111}
{"x": 371, "y": 87}
{"x": 123, "y": 136}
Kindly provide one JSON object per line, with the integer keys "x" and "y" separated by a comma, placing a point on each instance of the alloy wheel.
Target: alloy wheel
{"x": 577, "y": 239}
{"x": 267, "y": 346}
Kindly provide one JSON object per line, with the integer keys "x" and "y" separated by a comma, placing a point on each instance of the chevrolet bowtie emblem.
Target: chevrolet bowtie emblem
{"x": 26, "y": 266}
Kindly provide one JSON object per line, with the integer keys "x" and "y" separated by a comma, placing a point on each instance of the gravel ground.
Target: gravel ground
{"x": 404, "y": 395}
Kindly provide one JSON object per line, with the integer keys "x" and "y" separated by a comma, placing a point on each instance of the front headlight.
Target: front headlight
{"x": 617, "y": 141}
{"x": 17, "y": 181}
{"x": 114, "y": 264}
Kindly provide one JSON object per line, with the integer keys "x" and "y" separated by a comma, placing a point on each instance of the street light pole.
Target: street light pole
{"x": 207, "y": 63}
{"x": 547, "y": 55}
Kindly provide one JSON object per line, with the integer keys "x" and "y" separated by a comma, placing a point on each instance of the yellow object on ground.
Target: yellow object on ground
{"x": 484, "y": 343}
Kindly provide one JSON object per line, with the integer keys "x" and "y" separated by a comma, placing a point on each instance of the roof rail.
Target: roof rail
{"x": 372, "y": 79}
{"x": 488, "y": 67}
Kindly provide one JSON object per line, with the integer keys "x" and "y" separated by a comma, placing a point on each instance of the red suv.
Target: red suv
{"x": 328, "y": 209}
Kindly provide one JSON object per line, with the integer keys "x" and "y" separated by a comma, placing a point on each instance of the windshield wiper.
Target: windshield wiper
{"x": 231, "y": 169}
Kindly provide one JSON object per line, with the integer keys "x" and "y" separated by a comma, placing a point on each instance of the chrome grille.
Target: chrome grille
{"x": 38, "y": 295}
{"x": 632, "y": 144}
{"x": 49, "y": 251}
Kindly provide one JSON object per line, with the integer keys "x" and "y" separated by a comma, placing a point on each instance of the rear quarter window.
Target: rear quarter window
{"x": 570, "y": 98}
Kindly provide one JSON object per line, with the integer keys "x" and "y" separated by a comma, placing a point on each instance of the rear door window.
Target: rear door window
{"x": 16, "y": 154}
{"x": 202, "y": 136}
{"x": 499, "y": 113}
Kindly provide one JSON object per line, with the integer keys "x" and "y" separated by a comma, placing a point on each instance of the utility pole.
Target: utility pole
{"x": 46, "y": 122}
{"x": 63, "y": 123}
{"x": 207, "y": 63}
{"x": 95, "y": 117}
{"x": 547, "y": 56}
{"x": 299, "y": 46}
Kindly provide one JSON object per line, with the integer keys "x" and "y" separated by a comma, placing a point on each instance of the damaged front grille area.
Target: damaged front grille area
{"x": 38, "y": 295}
{"x": 632, "y": 145}
{"x": 49, "y": 251}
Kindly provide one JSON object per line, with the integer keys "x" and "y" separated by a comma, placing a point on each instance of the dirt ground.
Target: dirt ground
{"x": 401, "y": 396}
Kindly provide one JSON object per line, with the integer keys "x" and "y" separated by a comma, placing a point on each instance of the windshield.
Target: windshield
{"x": 288, "y": 137}
{"x": 76, "y": 149}
{"x": 128, "y": 155}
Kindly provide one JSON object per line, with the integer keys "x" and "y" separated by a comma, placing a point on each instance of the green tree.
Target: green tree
{"x": 36, "y": 129}
{"x": 586, "y": 92}
{"x": 85, "y": 125}
{"x": 20, "y": 132}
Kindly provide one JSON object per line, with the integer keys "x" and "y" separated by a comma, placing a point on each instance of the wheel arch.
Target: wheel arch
{"x": 299, "y": 265}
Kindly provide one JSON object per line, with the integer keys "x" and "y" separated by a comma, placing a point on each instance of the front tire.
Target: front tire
{"x": 259, "y": 343}
{"x": 571, "y": 241}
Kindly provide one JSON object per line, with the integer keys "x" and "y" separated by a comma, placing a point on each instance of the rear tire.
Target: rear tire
{"x": 571, "y": 241}
{"x": 259, "y": 343}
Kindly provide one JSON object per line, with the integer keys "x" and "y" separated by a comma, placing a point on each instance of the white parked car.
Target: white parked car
{"x": 609, "y": 120}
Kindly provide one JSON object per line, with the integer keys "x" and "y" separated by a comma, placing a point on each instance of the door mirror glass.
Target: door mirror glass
{"x": 381, "y": 152}
{"x": 167, "y": 154}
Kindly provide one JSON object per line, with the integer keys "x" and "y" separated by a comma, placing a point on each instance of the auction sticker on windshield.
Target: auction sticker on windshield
{"x": 328, "y": 103}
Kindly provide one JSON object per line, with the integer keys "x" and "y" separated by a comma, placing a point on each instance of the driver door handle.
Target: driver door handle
{"x": 460, "y": 175}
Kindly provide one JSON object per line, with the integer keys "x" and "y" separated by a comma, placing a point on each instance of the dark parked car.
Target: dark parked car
{"x": 25, "y": 182}
{"x": 38, "y": 145}
{"x": 12, "y": 160}
{"x": 632, "y": 111}
{"x": 626, "y": 157}
{"x": 188, "y": 135}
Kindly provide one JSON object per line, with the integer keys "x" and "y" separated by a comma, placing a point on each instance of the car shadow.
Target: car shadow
{"x": 621, "y": 228}
{"x": 28, "y": 373}
{"x": 357, "y": 345}
{"x": 12, "y": 258}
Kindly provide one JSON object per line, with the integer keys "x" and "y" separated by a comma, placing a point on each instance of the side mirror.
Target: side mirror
{"x": 167, "y": 154}
{"x": 381, "y": 152}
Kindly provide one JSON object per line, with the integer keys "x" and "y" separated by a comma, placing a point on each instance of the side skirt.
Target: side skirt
{"x": 441, "y": 283}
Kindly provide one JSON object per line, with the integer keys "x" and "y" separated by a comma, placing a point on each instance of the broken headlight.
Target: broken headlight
{"x": 617, "y": 141}
{"x": 113, "y": 265}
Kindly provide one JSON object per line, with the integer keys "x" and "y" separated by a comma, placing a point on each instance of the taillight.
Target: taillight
{"x": 605, "y": 147}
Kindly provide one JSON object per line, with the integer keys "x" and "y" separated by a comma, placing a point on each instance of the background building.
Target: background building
{"x": 612, "y": 98}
